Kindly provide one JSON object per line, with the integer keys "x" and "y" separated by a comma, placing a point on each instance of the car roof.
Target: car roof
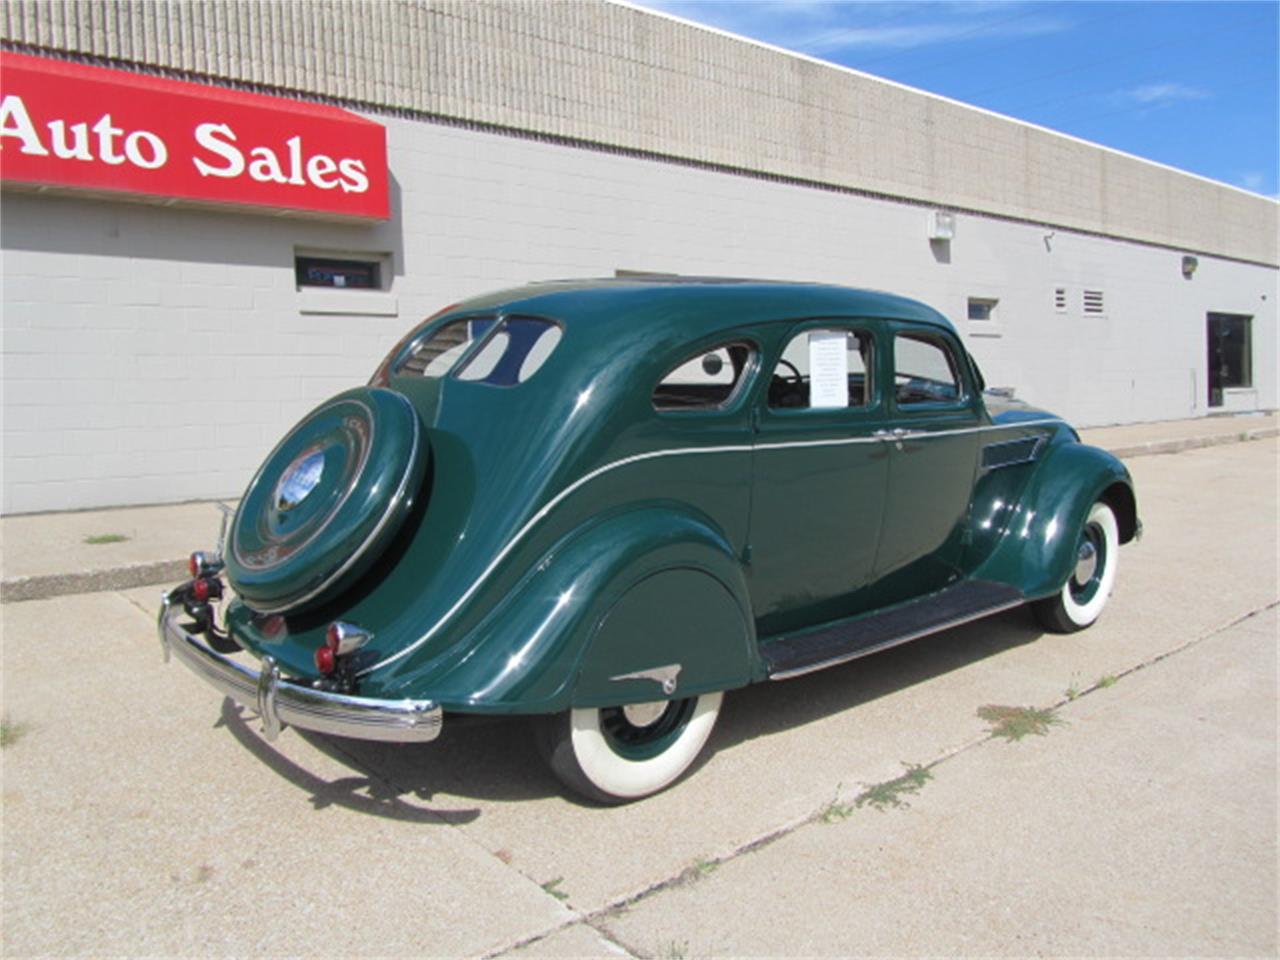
{"x": 697, "y": 305}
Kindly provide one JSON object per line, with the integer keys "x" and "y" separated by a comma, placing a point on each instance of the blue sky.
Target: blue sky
{"x": 1194, "y": 85}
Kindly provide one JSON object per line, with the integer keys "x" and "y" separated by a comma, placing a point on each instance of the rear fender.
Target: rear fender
{"x": 627, "y": 593}
{"x": 1037, "y": 552}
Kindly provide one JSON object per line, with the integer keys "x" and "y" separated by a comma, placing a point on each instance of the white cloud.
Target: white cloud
{"x": 1159, "y": 94}
{"x": 827, "y": 28}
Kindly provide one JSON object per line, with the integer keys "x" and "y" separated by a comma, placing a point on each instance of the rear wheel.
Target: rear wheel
{"x": 616, "y": 754}
{"x": 1081, "y": 600}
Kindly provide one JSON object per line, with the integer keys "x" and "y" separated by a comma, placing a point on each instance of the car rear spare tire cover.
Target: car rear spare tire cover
{"x": 327, "y": 500}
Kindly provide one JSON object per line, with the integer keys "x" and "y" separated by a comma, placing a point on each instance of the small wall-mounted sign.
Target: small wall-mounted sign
{"x": 76, "y": 127}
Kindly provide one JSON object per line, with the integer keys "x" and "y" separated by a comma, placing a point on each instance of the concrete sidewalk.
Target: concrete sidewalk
{"x": 51, "y": 554}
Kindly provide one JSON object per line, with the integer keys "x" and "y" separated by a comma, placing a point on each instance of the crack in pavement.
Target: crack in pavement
{"x": 596, "y": 919}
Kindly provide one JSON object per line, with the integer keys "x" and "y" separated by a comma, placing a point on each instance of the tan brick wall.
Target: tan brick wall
{"x": 608, "y": 74}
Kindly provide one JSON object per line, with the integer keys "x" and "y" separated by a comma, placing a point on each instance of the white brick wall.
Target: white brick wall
{"x": 156, "y": 354}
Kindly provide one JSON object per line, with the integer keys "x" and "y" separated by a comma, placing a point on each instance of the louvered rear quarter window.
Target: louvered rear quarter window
{"x": 435, "y": 355}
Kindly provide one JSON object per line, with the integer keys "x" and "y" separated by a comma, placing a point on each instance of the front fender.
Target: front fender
{"x": 608, "y": 588}
{"x": 1038, "y": 548}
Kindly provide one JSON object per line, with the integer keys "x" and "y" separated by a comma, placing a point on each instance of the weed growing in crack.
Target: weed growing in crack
{"x": 1014, "y": 723}
{"x": 836, "y": 810}
{"x": 1107, "y": 680}
{"x": 890, "y": 793}
{"x": 673, "y": 950}
{"x": 553, "y": 887}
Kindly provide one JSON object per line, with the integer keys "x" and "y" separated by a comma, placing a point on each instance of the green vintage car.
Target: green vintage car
{"x": 602, "y": 504}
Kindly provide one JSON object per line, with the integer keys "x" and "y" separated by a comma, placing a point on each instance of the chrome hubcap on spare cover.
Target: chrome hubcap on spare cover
{"x": 302, "y": 476}
{"x": 644, "y": 714}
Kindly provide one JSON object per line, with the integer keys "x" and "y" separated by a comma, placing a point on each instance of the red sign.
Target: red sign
{"x": 70, "y": 125}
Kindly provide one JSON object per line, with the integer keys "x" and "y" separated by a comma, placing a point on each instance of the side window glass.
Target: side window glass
{"x": 823, "y": 369}
{"x": 706, "y": 381}
{"x": 924, "y": 371}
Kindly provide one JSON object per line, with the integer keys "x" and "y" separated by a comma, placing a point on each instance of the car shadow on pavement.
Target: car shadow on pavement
{"x": 495, "y": 759}
{"x": 768, "y": 708}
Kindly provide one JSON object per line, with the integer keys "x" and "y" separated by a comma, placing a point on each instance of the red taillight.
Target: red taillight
{"x": 333, "y": 637}
{"x": 325, "y": 660}
{"x": 194, "y": 563}
{"x": 200, "y": 590}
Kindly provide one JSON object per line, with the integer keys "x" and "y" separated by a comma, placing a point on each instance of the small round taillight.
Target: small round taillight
{"x": 200, "y": 590}
{"x": 325, "y": 660}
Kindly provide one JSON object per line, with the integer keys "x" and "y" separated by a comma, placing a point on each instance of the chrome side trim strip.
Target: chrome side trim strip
{"x": 895, "y": 641}
{"x": 282, "y": 702}
{"x": 651, "y": 455}
{"x": 664, "y": 677}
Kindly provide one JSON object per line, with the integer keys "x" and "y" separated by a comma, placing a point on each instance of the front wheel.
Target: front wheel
{"x": 616, "y": 754}
{"x": 1080, "y": 601}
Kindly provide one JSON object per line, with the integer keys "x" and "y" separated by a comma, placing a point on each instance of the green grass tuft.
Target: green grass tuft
{"x": 891, "y": 793}
{"x": 101, "y": 538}
{"x": 11, "y": 732}
{"x": 1014, "y": 723}
{"x": 1107, "y": 680}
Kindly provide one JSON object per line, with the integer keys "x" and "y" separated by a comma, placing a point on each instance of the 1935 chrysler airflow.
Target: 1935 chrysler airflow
{"x": 603, "y": 504}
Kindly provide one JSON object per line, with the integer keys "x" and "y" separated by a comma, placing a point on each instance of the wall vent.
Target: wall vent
{"x": 1093, "y": 302}
{"x": 1060, "y": 299}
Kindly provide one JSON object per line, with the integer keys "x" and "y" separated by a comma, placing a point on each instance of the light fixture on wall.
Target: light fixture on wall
{"x": 1189, "y": 264}
{"x": 942, "y": 225}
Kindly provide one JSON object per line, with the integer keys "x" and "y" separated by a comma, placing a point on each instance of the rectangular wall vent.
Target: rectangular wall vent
{"x": 1093, "y": 302}
{"x": 1060, "y": 299}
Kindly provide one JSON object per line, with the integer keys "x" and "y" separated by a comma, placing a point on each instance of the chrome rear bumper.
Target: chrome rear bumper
{"x": 281, "y": 701}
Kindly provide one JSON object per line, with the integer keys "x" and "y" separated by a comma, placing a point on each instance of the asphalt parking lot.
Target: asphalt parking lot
{"x": 863, "y": 810}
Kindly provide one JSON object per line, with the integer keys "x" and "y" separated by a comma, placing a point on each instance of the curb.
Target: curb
{"x": 172, "y": 571}
{"x": 1153, "y": 447}
{"x": 93, "y": 581}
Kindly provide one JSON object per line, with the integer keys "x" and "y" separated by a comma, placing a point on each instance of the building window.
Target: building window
{"x": 1230, "y": 354}
{"x": 332, "y": 272}
{"x": 1093, "y": 303}
{"x": 982, "y": 309}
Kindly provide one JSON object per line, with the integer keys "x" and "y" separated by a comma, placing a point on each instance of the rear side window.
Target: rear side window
{"x": 513, "y": 353}
{"x": 708, "y": 380}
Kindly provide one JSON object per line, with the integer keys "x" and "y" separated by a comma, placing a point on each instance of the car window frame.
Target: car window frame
{"x": 500, "y": 320}
{"x": 742, "y": 389}
{"x": 955, "y": 352}
{"x": 875, "y": 406}
{"x": 434, "y": 326}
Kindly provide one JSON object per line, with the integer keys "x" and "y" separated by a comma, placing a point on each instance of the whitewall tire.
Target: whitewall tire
{"x": 617, "y": 754}
{"x": 1082, "y": 598}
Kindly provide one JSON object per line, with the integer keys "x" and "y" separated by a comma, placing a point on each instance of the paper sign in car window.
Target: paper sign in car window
{"x": 828, "y": 369}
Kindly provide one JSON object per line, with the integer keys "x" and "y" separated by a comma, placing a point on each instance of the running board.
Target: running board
{"x": 798, "y": 654}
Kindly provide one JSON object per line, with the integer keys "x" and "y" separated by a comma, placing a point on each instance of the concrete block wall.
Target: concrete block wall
{"x": 156, "y": 354}
{"x": 609, "y": 74}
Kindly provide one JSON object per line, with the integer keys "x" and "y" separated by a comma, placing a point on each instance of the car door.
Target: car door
{"x": 934, "y": 419}
{"x": 819, "y": 474}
